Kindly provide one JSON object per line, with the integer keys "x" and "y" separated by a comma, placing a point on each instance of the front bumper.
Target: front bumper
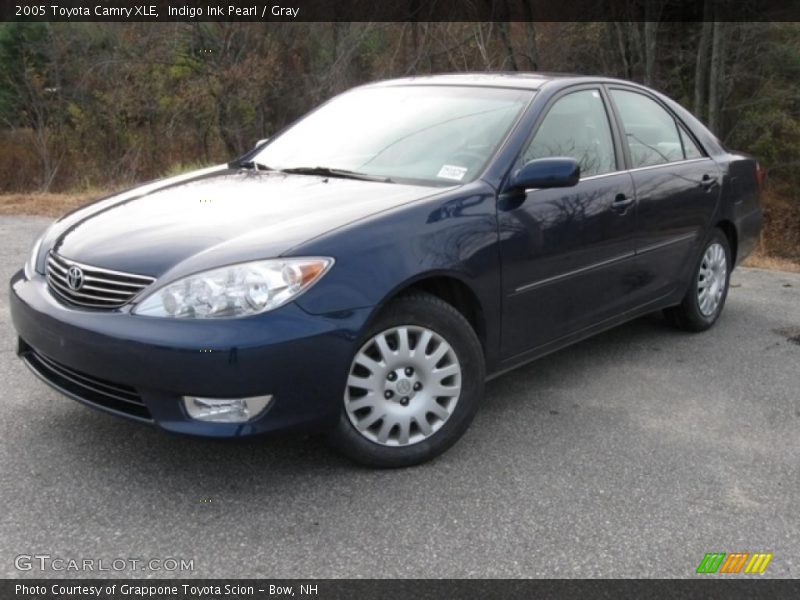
{"x": 302, "y": 360}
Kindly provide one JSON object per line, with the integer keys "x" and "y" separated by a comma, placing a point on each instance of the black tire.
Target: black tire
{"x": 687, "y": 315}
{"x": 420, "y": 310}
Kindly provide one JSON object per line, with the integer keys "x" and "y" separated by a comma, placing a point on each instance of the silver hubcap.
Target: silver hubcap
{"x": 404, "y": 384}
{"x": 712, "y": 279}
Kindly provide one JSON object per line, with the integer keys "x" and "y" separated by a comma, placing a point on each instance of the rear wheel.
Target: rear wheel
{"x": 705, "y": 298}
{"x": 414, "y": 385}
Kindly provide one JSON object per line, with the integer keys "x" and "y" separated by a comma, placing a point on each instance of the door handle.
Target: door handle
{"x": 621, "y": 203}
{"x": 708, "y": 182}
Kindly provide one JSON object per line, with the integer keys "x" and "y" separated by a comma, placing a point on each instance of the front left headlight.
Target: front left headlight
{"x": 235, "y": 291}
{"x": 33, "y": 258}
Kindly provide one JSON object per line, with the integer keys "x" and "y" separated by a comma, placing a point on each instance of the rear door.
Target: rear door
{"x": 568, "y": 253}
{"x": 677, "y": 188}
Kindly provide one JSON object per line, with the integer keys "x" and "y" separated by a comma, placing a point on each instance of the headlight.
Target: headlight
{"x": 30, "y": 264}
{"x": 235, "y": 291}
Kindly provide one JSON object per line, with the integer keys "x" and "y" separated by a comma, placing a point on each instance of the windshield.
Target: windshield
{"x": 431, "y": 134}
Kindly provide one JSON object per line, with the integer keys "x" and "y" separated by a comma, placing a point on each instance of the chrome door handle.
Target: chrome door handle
{"x": 621, "y": 203}
{"x": 708, "y": 182}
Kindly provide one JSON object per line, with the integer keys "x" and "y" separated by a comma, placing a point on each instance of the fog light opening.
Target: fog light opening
{"x": 226, "y": 410}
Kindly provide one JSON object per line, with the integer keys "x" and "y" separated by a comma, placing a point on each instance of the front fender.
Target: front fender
{"x": 453, "y": 235}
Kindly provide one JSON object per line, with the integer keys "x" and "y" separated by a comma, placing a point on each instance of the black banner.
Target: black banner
{"x": 422, "y": 589}
{"x": 395, "y": 10}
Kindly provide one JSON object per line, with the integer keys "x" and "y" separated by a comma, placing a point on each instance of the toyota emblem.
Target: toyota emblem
{"x": 74, "y": 278}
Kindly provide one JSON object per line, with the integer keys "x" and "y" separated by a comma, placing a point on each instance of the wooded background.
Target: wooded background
{"x": 104, "y": 105}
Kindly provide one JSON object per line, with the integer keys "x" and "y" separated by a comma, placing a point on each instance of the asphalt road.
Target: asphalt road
{"x": 629, "y": 455}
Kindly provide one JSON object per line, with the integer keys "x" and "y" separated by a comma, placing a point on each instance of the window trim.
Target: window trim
{"x": 647, "y": 168}
{"x": 683, "y": 132}
{"x": 676, "y": 162}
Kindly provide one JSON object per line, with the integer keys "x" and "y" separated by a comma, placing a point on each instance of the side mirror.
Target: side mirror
{"x": 547, "y": 173}
{"x": 260, "y": 143}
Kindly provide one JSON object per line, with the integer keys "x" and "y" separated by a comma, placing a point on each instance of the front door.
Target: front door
{"x": 568, "y": 253}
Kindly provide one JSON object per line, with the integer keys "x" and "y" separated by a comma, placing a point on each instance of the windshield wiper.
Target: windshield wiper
{"x": 251, "y": 164}
{"x": 343, "y": 173}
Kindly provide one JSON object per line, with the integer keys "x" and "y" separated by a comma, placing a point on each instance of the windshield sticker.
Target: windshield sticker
{"x": 452, "y": 172}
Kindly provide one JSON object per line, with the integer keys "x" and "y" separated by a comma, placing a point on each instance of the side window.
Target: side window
{"x": 576, "y": 126}
{"x": 690, "y": 149}
{"x": 651, "y": 132}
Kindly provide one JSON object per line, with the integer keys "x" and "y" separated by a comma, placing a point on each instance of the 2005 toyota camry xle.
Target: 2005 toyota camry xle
{"x": 365, "y": 270}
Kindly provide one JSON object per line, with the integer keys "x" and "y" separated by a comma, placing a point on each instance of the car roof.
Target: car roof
{"x": 507, "y": 79}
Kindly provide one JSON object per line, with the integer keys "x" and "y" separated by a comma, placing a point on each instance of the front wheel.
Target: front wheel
{"x": 414, "y": 385}
{"x": 705, "y": 298}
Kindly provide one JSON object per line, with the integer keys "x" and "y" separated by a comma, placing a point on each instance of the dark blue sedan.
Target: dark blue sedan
{"x": 364, "y": 271}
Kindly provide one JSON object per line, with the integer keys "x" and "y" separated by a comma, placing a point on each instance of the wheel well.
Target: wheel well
{"x": 458, "y": 295}
{"x": 729, "y": 229}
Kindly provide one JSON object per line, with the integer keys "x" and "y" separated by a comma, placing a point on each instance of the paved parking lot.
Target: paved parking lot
{"x": 629, "y": 455}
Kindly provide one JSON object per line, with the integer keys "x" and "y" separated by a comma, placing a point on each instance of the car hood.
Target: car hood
{"x": 219, "y": 216}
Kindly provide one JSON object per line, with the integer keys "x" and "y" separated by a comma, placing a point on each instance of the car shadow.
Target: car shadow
{"x": 535, "y": 378}
{"x": 139, "y": 456}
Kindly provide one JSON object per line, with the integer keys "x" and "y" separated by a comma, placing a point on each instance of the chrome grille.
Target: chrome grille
{"x": 101, "y": 288}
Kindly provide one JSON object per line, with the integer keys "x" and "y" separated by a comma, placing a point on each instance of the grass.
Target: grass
{"x": 773, "y": 263}
{"x": 46, "y": 204}
{"x": 55, "y": 205}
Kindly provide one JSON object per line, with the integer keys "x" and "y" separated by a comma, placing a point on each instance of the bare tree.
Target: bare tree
{"x": 505, "y": 38}
{"x": 715, "y": 75}
{"x": 701, "y": 64}
{"x": 530, "y": 35}
{"x": 652, "y": 13}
